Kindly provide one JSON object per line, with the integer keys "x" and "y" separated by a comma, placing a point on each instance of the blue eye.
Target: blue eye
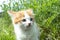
{"x": 24, "y": 20}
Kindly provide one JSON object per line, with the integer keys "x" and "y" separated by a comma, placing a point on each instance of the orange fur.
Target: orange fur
{"x": 29, "y": 12}
{"x": 20, "y": 14}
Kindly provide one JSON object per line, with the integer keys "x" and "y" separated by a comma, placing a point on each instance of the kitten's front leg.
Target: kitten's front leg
{"x": 18, "y": 39}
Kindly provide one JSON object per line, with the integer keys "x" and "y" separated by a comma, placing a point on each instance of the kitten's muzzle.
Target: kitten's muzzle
{"x": 29, "y": 25}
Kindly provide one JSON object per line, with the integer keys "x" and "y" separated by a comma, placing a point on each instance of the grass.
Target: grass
{"x": 6, "y": 32}
{"x": 47, "y": 17}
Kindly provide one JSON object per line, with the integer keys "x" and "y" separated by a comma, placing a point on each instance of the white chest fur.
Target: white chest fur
{"x": 30, "y": 34}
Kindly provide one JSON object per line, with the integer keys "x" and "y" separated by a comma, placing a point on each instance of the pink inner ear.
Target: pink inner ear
{"x": 30, "y": 10}
{"x": 11, "y": 13}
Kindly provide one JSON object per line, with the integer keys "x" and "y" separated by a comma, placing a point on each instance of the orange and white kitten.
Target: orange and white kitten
{"x": 24, "y": 25}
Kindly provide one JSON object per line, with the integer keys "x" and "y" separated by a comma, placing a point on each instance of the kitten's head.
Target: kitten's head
{"x": 24, "y": 18}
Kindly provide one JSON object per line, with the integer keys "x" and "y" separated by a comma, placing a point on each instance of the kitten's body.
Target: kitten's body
{"x": 22, "y": 30}
{"x": 31, "y": 34}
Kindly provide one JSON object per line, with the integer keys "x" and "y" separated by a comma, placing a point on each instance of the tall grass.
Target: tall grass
{"x": 47, "y": 17}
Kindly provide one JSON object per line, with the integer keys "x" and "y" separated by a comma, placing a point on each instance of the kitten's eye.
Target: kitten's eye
{"x": 24, "y": 20}
{"x": 31, "y": 19}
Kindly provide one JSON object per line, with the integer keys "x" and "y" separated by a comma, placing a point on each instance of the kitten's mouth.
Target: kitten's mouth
{"x": 28, "y": 26}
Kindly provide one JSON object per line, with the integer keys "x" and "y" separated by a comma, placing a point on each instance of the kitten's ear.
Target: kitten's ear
{"x": 11, "y": 13}
{"x": 30, "y": 11}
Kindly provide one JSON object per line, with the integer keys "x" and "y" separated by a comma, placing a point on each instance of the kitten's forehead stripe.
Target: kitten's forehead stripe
{"x": 19, "y": 16}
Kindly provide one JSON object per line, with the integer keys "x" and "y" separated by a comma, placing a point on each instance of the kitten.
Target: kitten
{"x": 24, "y": 25}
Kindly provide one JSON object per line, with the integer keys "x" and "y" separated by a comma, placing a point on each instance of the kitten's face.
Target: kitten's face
{"x": 24, "y": 18}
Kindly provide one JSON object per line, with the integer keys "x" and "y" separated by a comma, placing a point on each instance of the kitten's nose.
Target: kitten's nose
{"x": 29, "y": 24}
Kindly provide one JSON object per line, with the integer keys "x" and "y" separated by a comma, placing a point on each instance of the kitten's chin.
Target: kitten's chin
{"x": 28, "y": 28}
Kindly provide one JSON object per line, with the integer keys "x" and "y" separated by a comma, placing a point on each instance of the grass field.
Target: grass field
{"x": 47, "y": 18}
{"x": 6, "y": 32}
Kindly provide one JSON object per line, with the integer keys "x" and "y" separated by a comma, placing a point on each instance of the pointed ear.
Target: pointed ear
{"x": 11, "y": 13}
{"x": 30, "y": 11}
